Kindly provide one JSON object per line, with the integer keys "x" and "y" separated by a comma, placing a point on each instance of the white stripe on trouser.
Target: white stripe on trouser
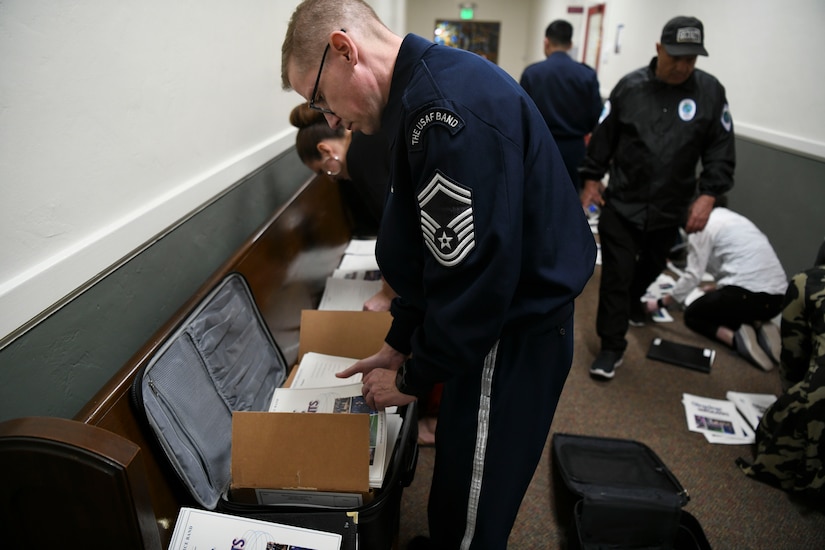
{"x": 481, "y": 445}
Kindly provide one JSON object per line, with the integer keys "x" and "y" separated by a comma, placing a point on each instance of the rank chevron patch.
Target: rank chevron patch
{"x": 447, "y": 220}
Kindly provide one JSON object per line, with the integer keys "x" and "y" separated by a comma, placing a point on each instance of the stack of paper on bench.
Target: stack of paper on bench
{"x": 361, "y": 247}
{"x": 359, "y": 256}
{"x": 316, "y": 389}
{"x": 356, "y": 279}
{"x": 347, "y": 294}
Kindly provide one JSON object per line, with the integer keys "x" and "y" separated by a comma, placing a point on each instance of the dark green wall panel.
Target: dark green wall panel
{"x": 58, "y": 365}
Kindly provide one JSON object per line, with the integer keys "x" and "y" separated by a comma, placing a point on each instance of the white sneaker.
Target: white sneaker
{"x": 747, "y": 345}
{"x": 770, "y": 340}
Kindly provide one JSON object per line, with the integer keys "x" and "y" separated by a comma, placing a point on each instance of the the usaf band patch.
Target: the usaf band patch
{"x": 435, "y": 115}
{"x": 447, "y": 220}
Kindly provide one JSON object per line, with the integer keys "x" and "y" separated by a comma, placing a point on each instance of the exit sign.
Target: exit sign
{"x": 466, "y": 12}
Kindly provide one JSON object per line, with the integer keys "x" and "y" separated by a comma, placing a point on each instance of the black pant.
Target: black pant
{"x": 730, "y": 307}
{"x": 493, "y": 424}
{"x": 631, "y": 261}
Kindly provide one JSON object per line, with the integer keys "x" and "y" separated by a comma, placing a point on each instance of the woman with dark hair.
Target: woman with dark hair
{"x": 358, "y": 162}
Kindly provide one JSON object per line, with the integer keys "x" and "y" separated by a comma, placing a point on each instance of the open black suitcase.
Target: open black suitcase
{"x": 617, "y": 494}
{"x": 222, "y": 359}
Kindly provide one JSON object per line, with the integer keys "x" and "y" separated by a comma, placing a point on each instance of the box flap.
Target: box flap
{"x": 322, "y": 452}
{"x": 355, "y": 334}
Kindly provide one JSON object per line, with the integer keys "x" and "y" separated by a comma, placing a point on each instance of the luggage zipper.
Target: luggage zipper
{"x": 180, "y": 429}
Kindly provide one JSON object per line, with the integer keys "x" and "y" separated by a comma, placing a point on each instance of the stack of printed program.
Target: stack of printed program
{"x": 730, "y": 421}
{"x": 356, "y": 279}
{"x": 316, "y": 389}
{"x": 196, "y": 529}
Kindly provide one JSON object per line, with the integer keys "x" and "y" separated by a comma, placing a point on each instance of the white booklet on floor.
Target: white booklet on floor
{"x": 751, "y": 405}
{"x": 200, "y": 529}
{"x": 716, "y": 419}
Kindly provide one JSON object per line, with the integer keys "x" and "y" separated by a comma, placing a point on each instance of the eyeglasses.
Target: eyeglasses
{"x": 312, "y": 104}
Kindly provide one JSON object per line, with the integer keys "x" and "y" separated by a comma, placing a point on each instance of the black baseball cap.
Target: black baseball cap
{"x": 684, "y": 36}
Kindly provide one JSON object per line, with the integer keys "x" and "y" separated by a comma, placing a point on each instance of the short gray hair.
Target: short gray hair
{"x": 310, "y": 26}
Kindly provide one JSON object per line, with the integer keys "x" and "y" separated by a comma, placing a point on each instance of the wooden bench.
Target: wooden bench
{"x": 286, "y": 262}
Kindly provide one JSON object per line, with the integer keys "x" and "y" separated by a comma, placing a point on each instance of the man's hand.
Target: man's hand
{"x": 699, "y": 213}
{"x": 592, "y": 193}
{"x": 381, "y": 392}
{"x": 386, "y": 358}
{"x": 381, "y": 300}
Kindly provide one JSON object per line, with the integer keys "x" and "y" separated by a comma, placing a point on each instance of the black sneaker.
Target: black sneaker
{"x": 636, "y": 320}
{"x": 605, "y": 364}
{"x": 747, "y": 345}
{"x": 638, "y": 317}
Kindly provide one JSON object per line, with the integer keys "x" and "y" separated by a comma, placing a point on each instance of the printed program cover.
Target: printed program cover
{"x": 204, "y": 530}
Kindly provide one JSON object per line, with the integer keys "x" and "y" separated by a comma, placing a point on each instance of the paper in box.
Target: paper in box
{"x": 323, "y": 452}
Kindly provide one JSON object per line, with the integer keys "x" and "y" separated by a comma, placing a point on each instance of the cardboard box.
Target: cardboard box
{"x": 315, "y": 452}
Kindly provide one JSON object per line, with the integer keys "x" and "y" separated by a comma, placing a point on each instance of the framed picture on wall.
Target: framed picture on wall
{"x": 478, "y": 37}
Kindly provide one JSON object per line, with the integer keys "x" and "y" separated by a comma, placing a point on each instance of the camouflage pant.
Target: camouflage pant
{"x": 790, "y": 439}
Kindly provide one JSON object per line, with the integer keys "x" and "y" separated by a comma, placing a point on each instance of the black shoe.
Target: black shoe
{"x": 748, "y": 347}
{"x": 605, "y": 364}
{"x": 638, "y": 317}
{"x": 420, "y": 543}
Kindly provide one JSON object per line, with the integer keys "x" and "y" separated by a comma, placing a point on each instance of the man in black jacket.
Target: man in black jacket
{"x": 658, "y": 123}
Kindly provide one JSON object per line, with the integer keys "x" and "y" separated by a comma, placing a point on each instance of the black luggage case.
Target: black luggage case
{"x": 223, "y": 359}
{"x": 616, "y": 493}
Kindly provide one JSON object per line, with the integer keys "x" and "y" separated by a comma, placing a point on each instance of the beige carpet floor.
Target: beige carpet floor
{"x": 643, "y": 403}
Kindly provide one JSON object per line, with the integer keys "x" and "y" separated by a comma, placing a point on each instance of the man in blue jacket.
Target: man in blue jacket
{"x": 659, "y": 122}
{"x": 567, "y": 95}
{"x": 483, "y": 239}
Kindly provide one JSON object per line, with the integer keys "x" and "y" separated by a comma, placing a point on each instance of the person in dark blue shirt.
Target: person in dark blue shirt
{"x": 567, "y": 94}
{"x": 484, "y": 240}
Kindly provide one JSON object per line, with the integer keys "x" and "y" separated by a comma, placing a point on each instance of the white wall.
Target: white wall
{"x": 765, "y": 52}
{"x": 118, "y": 119}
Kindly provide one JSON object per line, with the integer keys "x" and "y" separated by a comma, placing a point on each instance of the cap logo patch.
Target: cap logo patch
{"x": 691, "y": 35}
{"x": 436, "y": 115}
{"x": 447, "y": 220}
{"x": 727, "y": 120}
{"x": 687, "y": 109}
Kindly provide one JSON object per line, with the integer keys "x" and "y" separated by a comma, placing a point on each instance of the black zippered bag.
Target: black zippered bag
{"x": 222, "y": 359}
{"x": 617, "y": 494}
